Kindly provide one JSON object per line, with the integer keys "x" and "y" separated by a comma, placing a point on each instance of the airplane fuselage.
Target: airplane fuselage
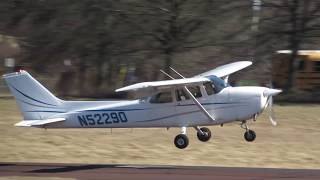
{"x": 231, "y": 104}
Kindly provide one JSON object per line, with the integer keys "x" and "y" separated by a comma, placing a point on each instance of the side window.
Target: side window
{"x": 209, "y": 88}
{"x": 181, "y": 95}
{"x": 162, "y": 97}
{"x": 195, "y": 90}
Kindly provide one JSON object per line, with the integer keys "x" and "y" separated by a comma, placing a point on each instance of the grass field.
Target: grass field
{"x": 294, "y": 143}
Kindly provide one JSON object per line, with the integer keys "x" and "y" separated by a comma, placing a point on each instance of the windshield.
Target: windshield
{"x": 218, "y": 83}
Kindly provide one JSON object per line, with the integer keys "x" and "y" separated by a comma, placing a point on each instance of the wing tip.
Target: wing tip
{"x": 123, "y": 89}
{"x": 245, "y": 62}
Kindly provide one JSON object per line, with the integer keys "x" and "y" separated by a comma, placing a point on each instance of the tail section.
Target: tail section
{"x": 33, "y": 99}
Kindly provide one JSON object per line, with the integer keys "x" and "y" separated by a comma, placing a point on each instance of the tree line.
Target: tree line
{"x": 97, "y": 43}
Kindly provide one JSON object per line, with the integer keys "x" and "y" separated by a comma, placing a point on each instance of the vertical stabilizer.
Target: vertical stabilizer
{"x": 33, "y": 99}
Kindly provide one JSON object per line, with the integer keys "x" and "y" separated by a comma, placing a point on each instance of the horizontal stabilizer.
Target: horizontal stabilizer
{"x": 30, "y": 123}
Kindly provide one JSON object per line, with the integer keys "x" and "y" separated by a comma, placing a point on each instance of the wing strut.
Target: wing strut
{"x": 191, "y": 95}
{"x": 199, "y": 104}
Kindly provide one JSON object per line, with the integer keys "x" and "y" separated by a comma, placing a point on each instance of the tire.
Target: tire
{"x": 181, "y": 141}
{"x": 206, "y": 136}
{"x": 249, "y": 135}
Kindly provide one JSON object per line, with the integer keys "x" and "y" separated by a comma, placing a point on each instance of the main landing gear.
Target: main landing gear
{"x": 249, "y": 135}
{"x": 203, "y": 134}
{"x": 182, "y": 141}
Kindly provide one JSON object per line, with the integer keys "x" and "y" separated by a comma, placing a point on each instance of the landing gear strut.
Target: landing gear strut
{"x": 249, "y": 135}
{"x": 203, "y": 134}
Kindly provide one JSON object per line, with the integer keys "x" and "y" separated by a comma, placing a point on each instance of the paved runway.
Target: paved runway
{"x": 140, "y": 172}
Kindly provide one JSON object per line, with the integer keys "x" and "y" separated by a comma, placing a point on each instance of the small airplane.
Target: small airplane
{"x": 203, "y": 100}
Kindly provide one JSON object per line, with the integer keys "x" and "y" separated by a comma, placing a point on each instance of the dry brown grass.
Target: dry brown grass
{"x": 294, "y": 143}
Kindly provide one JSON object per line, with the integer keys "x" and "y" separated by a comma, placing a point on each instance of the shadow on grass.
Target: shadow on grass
{"x": 90, "y": 167}
{"x": 71, "y": 168}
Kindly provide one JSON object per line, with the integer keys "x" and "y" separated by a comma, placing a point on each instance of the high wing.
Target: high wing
{"x": 221, "y": 71}
{"x": 165, "y": 84}
{"x": 29, "y": 123}
{"x": 225, "y": 70}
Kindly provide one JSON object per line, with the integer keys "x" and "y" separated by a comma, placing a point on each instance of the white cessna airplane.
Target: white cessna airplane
{"x": 203, "y": 100}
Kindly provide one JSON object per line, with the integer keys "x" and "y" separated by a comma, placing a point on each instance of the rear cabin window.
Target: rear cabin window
{"x": 195, "y": 91}
{"x": 181, "y": 95}
{"x": 162, "y": 97}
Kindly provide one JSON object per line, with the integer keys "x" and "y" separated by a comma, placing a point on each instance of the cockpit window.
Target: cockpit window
{"x": 195, "y": 91}
{"x": 181, "y": 95}
{"x": 162, "y": 97}
{"x": 218, "y": 83}
{"x": 209, "y": 88}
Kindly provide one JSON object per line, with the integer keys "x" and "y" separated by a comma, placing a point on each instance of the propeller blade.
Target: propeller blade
{"x": 271, "y": 112}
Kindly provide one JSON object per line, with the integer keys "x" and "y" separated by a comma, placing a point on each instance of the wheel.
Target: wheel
{"x": 206, "y": 134}
{"x": 181, "y": 141}
{"x": 249, "y": 135}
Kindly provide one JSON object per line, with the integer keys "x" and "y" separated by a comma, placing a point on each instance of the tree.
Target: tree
{"x": 87, "y": 32}
{"x": 169, "y": 26}
{"x": 100, "y": 35}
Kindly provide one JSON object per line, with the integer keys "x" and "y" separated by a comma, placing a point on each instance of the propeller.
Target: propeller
{"x": 271, "y": 111}
{"x": 270, "y": 93}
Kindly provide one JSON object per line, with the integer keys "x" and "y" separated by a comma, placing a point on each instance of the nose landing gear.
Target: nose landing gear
{"x": 249, "y": 135}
